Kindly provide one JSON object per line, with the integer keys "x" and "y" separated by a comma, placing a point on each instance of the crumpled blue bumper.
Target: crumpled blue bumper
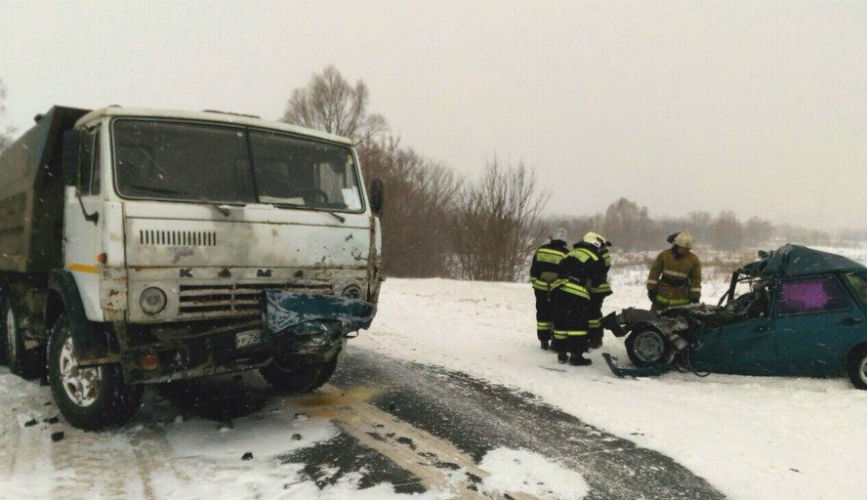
{"x": 307, "y": 313}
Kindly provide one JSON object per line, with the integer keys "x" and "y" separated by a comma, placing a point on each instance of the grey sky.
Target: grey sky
{"x": 757, "y": 107}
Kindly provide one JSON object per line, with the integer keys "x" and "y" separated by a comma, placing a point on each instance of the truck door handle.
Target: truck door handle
{"x": 850, "y": 321}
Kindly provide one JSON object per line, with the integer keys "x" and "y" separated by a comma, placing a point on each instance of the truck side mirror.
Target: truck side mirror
{"x": 70, "y": 158}
{"x": 377, "y": 196}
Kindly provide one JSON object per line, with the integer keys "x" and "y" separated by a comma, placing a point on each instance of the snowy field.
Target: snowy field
{"x": 750, "y": 437}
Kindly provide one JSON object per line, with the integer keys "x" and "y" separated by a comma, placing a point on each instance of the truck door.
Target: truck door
{"x": 816, "y": 322}
{"x": 83, "y": 205}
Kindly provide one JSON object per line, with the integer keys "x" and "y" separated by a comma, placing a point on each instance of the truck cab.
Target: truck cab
{"x": 149, "y": 238}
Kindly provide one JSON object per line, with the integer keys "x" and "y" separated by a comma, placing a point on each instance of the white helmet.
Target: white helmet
{"x": 559, "y": 234}
{"x": 596, "y": 239}
{"x": 683, "y": 239}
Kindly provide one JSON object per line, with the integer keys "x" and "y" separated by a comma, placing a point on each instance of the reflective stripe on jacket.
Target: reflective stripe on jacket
{"x": 543, "y": 269}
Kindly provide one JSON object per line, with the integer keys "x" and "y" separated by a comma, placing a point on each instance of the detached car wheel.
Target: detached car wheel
{"x": 91, "y": 397}
{"x": 857, "y": 368}
{"x": 289, "y": 378}
{"x": 648, "y": 347}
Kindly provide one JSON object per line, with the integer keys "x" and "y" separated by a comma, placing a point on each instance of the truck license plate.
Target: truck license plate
{"x": 248, "y": 338}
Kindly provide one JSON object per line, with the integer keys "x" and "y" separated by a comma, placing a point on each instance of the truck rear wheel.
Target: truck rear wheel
{"x": 21, "y": 362}
{"x": 298, "y": 378}
{"x": 89, "y": 398}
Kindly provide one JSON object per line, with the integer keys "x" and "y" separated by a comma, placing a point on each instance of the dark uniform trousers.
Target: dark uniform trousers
{"x": 571, "y": 304}
{"x": 544, "y": 320}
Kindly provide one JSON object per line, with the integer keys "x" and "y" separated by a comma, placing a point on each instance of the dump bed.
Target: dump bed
{"x": 31, "y": 195}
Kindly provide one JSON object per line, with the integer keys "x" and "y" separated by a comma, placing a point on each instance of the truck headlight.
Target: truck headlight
{"x": 152, "y": 300}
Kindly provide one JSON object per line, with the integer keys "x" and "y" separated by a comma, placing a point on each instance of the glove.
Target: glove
{"x": 693, "y": 300}
{"x": 651, "y": 294}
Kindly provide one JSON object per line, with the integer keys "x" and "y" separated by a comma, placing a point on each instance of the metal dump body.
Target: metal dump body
{"x": 31, "y": 195}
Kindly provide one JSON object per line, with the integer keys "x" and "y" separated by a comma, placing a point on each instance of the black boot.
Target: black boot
{"x": 544, "y": 344}
{"x": 562, "y": 357}
{"x": 578, "y": 359}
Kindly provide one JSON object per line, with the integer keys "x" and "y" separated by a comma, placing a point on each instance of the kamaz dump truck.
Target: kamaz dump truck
{"x": 141, "y": 246}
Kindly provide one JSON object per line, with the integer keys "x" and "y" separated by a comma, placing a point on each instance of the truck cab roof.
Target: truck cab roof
{"x": 211, "y": 116}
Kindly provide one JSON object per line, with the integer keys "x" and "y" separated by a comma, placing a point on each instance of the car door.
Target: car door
{"x": 747, "y": 347}
{"x": 816, "y": 320}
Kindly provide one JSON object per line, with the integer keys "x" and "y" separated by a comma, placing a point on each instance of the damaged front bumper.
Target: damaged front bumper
{"x": 293, "y": 326}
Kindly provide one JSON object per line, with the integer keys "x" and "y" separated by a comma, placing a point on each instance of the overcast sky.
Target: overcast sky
{"x": 756, "y": 107}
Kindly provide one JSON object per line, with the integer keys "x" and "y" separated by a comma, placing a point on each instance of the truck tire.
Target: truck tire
{"x": 857, "y": 367}
{"x": 21, "y": 362}
{"x": 298, "y": 378}
{"x": 3, "y": 340}
{"x": 647, "y": 346}
{"x": 89, "y": 398}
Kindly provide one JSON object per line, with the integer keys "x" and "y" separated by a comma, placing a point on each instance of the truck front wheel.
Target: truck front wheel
{"x": 91, "y": 397}
{"x": 285, "y": 377}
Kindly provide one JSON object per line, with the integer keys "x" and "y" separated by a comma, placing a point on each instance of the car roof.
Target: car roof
{"x": 797, "y": 260}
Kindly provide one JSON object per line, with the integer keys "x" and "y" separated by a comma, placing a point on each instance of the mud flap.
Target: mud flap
{"x": 648, "y": 371}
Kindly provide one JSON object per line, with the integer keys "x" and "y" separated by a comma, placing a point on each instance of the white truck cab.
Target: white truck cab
{"x": 172, "y": 227}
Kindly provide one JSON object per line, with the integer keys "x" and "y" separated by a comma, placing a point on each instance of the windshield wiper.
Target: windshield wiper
{"x": 338, "y": 217}
{"x": 153, "y": 189}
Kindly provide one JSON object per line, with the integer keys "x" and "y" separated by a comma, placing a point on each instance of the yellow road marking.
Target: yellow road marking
{"x": 415, "y": 450}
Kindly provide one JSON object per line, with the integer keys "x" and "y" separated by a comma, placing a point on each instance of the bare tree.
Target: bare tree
{"x": 628, "y": 225}
{"x": 419, "y": 202}
{"x": 497, "y": 223}
{"x": 5, "y": 130}
{"x": 331, "y": 104}
{"x": 726, "y": 232}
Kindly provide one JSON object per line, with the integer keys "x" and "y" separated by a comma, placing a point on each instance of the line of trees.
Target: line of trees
{"x": 437, "y": 224}
{"x": 630, "y": 227}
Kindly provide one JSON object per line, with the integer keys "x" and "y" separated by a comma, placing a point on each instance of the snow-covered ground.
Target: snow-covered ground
{"x": 750, "y": 437}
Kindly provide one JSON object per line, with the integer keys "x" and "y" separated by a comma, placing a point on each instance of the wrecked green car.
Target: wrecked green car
{"x": 795, "y": 311}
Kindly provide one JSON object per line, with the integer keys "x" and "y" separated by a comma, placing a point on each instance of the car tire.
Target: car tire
{"x": 21, "y": 362}
{"x": 297, "y": 378}
{"x": 90, "y": 398}
{"x": 647, "y": 346}
{"x": 857, "y": 367}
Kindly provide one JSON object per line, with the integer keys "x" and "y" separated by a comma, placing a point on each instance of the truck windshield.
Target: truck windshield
{"x": 157, "y": 159}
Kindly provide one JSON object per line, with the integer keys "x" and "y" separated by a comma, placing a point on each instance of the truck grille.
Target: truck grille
{"x": 233, "y": 299}
{"x": 177, "y": 238}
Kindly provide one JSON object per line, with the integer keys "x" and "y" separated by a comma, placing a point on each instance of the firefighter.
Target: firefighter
{"x": 582, "y": 267}
{"x": 598, "y": 292}
{"x": 543, "y": 273}
{"x": 675, "y": 276}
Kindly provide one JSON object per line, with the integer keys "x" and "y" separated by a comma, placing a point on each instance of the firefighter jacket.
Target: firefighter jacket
{"x": 675, "y": 280}
{"x": 602, "y": 289}
{"x": 581, "y": 271}
{"x": 543, "y": 270}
